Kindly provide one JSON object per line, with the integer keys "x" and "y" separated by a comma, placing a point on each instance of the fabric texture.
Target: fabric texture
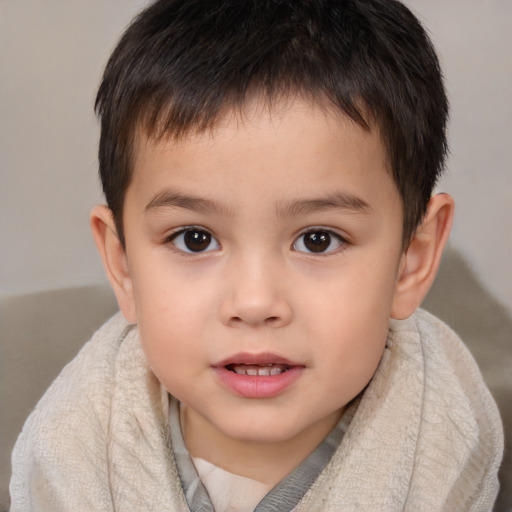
{"x": 426, "y": 435}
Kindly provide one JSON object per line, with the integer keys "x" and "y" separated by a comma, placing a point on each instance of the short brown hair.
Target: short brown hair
{"x": 183, "y": 62}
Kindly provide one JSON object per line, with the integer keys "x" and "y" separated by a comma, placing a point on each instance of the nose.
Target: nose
{"x": 256, "y": 295}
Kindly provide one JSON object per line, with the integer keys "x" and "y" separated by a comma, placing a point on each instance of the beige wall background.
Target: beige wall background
{"x": 52, "y": 53}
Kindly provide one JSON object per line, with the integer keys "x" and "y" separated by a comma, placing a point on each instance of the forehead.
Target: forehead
{"x": 256, "y": 110}
{"x": 276, "y": 146}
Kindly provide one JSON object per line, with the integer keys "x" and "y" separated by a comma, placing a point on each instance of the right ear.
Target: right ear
{"x": 113, "y": 256}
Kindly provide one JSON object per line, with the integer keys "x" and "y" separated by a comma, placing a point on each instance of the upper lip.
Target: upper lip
{"x": 255, "y": 359}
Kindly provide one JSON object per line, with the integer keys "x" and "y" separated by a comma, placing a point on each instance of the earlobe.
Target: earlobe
{"x": 420, "y": 261}
{"x": 113, "y": 256}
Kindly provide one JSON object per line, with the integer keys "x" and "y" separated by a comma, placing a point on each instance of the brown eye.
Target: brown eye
{"x": 194, "y": 240}
{"x": 318, "y": 241}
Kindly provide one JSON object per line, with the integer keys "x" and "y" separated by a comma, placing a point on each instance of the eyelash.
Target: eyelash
{"x": 325, "y": 232}
{"x": 171, "y": 239}
{"x": 320, "y": 238}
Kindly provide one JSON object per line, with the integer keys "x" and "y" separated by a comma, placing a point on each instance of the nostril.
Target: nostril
{"x": 271, "y": 320}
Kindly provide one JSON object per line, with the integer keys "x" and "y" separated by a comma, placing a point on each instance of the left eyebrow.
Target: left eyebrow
{"x": 336, "y": 201}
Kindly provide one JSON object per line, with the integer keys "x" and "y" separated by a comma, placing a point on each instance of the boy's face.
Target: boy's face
{"x": 263, "y": 261}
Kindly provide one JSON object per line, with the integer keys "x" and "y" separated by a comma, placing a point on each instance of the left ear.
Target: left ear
{"x": 420, "y": 261}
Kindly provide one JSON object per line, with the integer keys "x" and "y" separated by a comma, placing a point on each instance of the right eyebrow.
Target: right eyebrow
{"x": 172, "y": 199}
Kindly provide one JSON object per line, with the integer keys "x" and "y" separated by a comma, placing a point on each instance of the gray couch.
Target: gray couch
{"x": 41, "y": 332}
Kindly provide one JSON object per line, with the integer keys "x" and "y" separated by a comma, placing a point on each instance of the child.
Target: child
{"x": 270, "y": 233}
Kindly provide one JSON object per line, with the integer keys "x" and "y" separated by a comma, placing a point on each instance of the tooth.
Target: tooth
{"x": 261, "y": 370}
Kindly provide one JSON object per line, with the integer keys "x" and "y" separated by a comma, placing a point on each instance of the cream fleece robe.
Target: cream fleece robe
{"x": 426, "y": 436}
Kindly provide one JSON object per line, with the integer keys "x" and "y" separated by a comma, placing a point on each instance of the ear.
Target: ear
{"x": 113, "y": 256}
{"x": 420, "y": 261}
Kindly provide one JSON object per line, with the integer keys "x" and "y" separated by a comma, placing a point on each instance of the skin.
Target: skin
{"x": 257, "y": 186}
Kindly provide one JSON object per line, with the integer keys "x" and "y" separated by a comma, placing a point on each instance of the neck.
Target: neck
{"x": 266, "y": 462}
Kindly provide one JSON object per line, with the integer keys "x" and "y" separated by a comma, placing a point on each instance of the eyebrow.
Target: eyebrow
{"x": 335, "y": 201}
{"x": 171, "y": 199}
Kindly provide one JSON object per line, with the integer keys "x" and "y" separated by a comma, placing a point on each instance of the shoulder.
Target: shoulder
{"x": 64, "y": 437}
{"x": 86, "y": 381}
{"x": 452, "y": 382}
{"x": 461, "y": 435}
{"x": 450, "y": 370}
{"x": 426, "y": 434}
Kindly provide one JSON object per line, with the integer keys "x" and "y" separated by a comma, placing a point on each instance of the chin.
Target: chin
{"x": 262, "y": 437}
{"x": 251, "y": 431}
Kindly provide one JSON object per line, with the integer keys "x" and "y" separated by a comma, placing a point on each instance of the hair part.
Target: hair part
{"x": 182, "y": 64}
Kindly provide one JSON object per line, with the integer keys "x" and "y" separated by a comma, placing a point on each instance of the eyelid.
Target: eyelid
{"x": 332, "y": 232}
{"x": 169, "y": 240}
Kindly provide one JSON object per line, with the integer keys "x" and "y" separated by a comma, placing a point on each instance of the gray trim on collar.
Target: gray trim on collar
{"x": 284, "y": 496}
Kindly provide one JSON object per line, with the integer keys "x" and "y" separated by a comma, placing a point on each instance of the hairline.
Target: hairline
{"x": 144, "y": 131}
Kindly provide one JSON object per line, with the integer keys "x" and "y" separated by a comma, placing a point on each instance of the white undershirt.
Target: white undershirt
{"x": 229, "y": 492}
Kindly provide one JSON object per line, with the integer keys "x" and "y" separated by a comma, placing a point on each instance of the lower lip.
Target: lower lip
{"x": 259, "y": 386}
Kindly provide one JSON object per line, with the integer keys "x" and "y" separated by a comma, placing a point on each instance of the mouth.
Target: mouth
{"x": 262, "y": 379}
{"x": 254, "y": 365}
{"x": 264, "y": 375}
{"x": 260, "y": 370}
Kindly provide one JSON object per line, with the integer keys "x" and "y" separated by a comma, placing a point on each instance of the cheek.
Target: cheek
{"x": 171, "y": 340}
{"x": 359, "y": 296}
{"x": 354, "y": 341}
{"x": 172, "y": 316}
{"x": 169, "y": 294}
{"x": 353, "y": 356}
{"x": 349, "y": 327}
